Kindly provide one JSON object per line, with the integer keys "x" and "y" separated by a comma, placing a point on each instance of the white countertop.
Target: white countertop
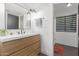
{"x": 14, "y": 37}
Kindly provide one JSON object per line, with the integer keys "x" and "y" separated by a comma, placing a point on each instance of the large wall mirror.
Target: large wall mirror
{"x": 17, "y": 19}
{"x": 14, "y": 18}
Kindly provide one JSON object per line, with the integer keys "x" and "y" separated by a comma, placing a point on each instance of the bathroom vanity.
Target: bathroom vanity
{"x": 22, "y": 45}
{"x": 18, "y": 37}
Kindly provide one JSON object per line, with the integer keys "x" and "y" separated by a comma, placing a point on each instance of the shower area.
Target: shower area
{"x": 66, "y": 30}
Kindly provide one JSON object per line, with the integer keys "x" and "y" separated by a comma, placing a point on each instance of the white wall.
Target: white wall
{"x": 2, "y": 16}
{"x": 66, "y": 38}
{"x": 47, "y": 32}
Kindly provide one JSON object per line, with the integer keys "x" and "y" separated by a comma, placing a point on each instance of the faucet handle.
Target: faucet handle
{"x": 18, "y": 32}
{"x": 24, "y": 32}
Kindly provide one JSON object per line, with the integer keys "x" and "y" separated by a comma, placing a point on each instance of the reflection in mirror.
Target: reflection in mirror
{"x": 28, "y": 24}
{"x": 12, "y": 21}
{"x": 21, "y": 22}
{"x": 18, "y": 21}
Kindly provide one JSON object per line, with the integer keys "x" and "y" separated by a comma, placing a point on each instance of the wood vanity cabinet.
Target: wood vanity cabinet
{"x": 28, "y": 46}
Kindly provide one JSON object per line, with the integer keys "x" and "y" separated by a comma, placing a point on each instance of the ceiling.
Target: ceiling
{"x": 62, "y": 7}
{"x": 21, "y": 8}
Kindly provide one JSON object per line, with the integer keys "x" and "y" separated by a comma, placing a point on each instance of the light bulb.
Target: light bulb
{"x": 69, "y": 4}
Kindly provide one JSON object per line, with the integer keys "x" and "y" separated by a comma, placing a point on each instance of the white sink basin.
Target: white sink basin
{"x": 9, "y": 37}
{"x": 14, "y": 37}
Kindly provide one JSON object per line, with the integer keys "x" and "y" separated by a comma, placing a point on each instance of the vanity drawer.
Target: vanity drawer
{"x": 28, "y": 50}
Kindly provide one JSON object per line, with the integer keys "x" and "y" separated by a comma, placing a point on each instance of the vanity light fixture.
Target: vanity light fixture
{"x": 69, "y": 4}
{"x": 31, "y": 11}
